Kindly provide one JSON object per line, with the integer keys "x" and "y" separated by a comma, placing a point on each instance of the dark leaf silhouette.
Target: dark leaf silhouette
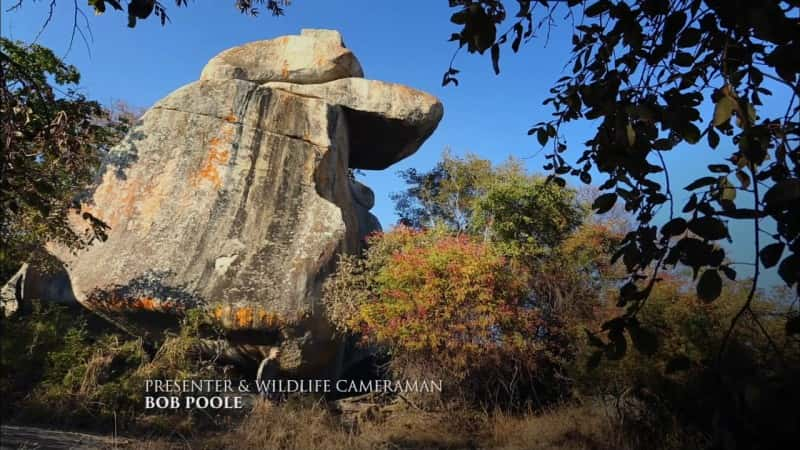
{"x": 604, "y": 202}
{"x": 771, "y": 254}
{"x": 709, "y": 287}
{"x": 793, "y": 326}
{"x": 709, "y": 228}
{"x": 644, "y": 340}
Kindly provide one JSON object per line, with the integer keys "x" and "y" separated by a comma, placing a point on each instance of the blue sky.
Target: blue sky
{"x": 403, "y": 42}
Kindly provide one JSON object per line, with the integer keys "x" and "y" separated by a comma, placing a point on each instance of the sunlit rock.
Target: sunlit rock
{"x": 232, "y": 196}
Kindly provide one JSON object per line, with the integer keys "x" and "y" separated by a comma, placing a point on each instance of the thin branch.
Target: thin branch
{"x": 756, "y": 272}
{"x": 76, "y": 29}
{"x": 668, "y": 185}
{"x": 88, "y": 26}
{"x": 15, "y": 6}
{"x": 52, "y": 8}
{"x": 766, "y": 334}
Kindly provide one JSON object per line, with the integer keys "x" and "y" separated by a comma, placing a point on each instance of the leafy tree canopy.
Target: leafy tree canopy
{"x": 645, "y": 71}
{"x": 503, "y": 203}
{"x": 446, "y": 194}
{"x": 53, "y": 140}
{"x": 544, "y": 227}
{"x": 526, "y": 215}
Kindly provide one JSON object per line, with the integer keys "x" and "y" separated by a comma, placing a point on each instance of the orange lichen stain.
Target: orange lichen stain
{"x": 243, "y": 317}
{"x": 129, "y": 199}
{"x": 218, "y": 313}
{"x": 116, "y": 303}
{"x": 209, "y": 169}
{"x": 404, "y": 91}
{"x": 285, "y": 70}
{"x": 120, "y": 204}
{"x": 231, "y": 118}
{"x": 217, "y": 155}
{"x": 147, "y": 303}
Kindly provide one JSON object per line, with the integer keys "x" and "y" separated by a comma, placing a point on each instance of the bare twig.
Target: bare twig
{"x": 756, "y": 271}
{"x": 766, "y": 334}
{"x": 47, "y": 20}
{"x": 15, "y": 6}
{"x": 77, "y": 29}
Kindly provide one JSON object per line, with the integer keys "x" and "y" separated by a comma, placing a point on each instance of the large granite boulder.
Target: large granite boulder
{"x": 231, "y": 195}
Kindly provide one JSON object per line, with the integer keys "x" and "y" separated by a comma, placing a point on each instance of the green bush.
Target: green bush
{"x": 748, "y": 393}
{"x": 65, "y": 367}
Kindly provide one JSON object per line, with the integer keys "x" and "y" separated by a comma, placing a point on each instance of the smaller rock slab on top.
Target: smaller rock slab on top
{"x": 314, "y": 56}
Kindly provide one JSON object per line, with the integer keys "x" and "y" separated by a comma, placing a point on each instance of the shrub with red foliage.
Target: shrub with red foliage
{"x": 454, "y": 305}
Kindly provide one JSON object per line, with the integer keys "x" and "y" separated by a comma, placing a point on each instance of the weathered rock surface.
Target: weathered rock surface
{"x": 362, "y": 194}
{"x": 13, "y": 291}
{"x": 48, "y": 283}
{"x": 389, "y": 121}
{"x": 233, "y": 197}
{"x": 364, "y": 200}
{"x": 315, "y": 56}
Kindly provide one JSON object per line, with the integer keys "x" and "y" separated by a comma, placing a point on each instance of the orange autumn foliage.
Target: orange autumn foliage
{"x": 452, "y": 301}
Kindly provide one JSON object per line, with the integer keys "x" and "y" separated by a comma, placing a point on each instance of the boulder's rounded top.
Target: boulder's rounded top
{"x": 313, "y": 56}
{"x": 331, "y": 36}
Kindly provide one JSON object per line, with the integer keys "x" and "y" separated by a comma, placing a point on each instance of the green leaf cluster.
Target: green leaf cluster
{"x": 53, "y": 141}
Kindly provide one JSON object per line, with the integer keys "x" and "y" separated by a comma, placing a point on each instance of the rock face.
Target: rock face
{"x": 48, "y": 284}
{"x": 232, "y": 195}
{"x": 12, "y": 291}
{"x": 391, "y": 121}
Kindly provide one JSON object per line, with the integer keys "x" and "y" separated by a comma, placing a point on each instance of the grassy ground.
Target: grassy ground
{"x": 61, "y": 371}
{"x": 313, "y": 426}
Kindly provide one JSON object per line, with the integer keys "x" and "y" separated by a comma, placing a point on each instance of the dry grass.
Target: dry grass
{"x": 565, "y": 428}
{"x": 308, "y": 427}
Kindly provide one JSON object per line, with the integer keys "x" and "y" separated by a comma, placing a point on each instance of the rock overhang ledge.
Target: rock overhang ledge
{"x": 388, "y": 122}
